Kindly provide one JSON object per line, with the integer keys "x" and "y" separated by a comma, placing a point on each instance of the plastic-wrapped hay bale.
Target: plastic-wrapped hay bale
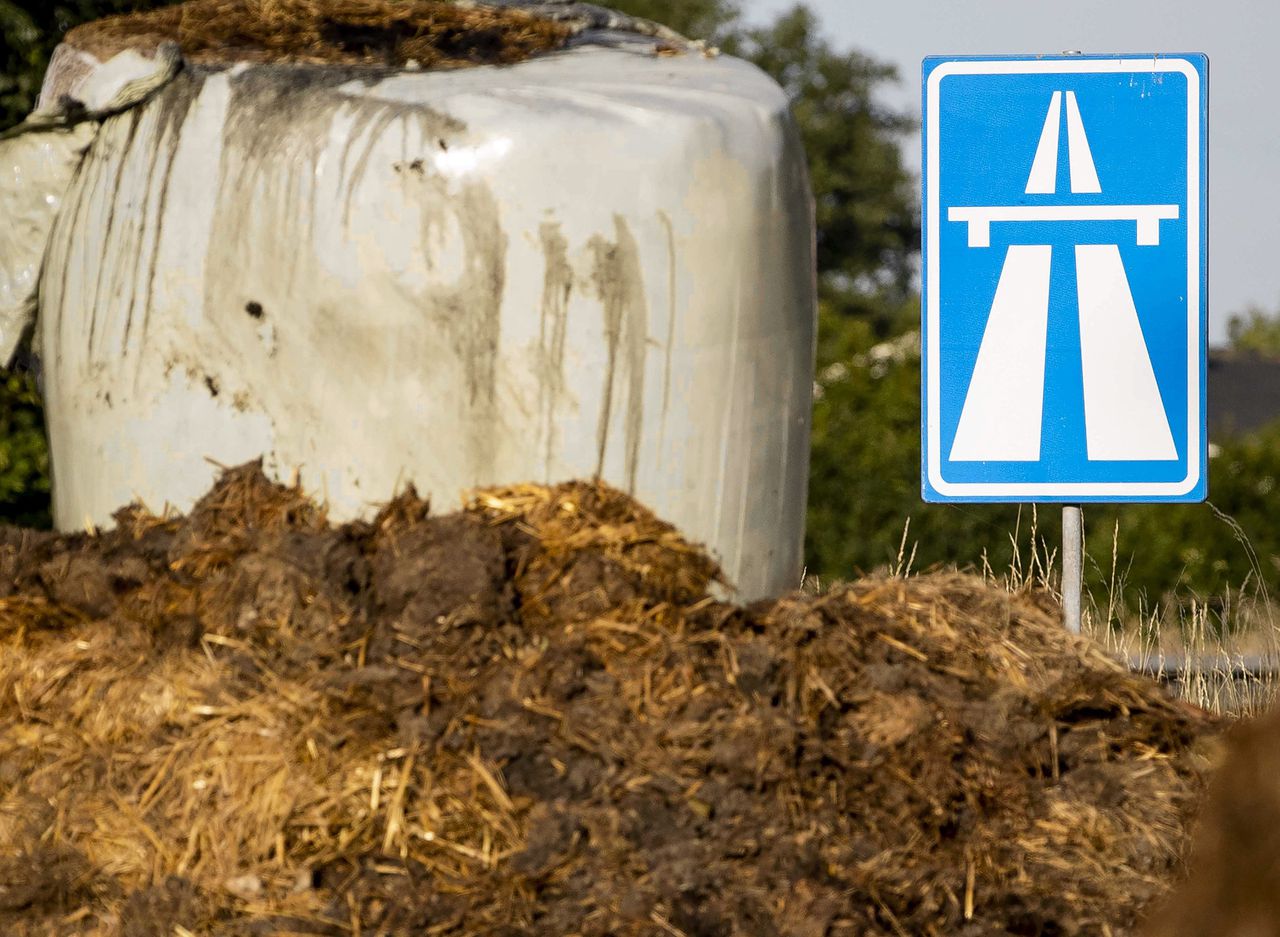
{"x": 323, "y": 242}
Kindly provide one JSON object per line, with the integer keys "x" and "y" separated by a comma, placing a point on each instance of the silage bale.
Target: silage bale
{"x": 308, "y": 248}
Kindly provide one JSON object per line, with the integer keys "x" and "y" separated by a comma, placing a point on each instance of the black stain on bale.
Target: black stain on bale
{"x": 619, "y": 282}
{"x": 553, "y": 325}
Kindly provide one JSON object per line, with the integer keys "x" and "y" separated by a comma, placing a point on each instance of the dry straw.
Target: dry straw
{"x": 431, "y": 33}
{"x": 528, "y": 717}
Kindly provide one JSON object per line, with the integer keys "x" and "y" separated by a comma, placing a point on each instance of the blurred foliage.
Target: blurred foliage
{"x": 864, "y": 486}
{"x": 712, "y": 20}
{"x": 1255, "y": 331}
{"x": 865, "y": 483}
{"x": 24, "y": 457}
{"x": 1227, "y": 547}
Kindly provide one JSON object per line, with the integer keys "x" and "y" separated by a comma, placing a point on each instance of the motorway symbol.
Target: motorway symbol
{"x": 1064, "y": 300}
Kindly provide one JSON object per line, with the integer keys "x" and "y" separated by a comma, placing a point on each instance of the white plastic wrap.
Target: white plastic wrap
{"x": 35, "y": 170}
{"x": 598, "y": 261}
{"x": 39, "y": 159}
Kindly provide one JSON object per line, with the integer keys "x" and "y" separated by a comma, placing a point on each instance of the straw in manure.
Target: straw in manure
{"x": 529, "y": 717}
{"x": 432, "y": 33}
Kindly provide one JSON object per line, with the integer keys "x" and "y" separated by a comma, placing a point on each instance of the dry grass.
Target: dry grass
{"x": 432, "y": 33}
{"x": 1225, "y": 659}
{"x": 1223, "y": 656}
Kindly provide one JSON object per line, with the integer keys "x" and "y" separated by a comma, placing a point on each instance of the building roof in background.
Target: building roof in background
{"x": 1244, "y": 393}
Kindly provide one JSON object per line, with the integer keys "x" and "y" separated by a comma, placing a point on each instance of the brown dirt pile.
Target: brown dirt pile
{"x": 433, "y": 33}
{"x": 527, "y": 718}
{"x": 1234, "y": 886}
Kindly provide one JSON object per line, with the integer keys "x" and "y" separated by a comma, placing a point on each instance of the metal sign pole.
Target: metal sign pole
{"x": 1072, "y": 565}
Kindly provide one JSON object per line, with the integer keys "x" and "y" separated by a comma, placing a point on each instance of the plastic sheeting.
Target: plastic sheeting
{"x": 599, "y": 261}
{"x": 39, "y": 158}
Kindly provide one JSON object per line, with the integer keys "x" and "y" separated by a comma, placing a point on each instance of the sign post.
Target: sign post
{"x": 1064, "y": 302}
{"x": 1072, "y": 565}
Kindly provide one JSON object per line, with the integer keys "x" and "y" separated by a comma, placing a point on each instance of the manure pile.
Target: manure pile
{"x": 1234, "y": 886}
{"x": 432, "y": 34}
{"x": 529, "y": 718}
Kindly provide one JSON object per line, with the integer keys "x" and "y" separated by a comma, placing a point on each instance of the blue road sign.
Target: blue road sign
{"x": 1064, "y": 308}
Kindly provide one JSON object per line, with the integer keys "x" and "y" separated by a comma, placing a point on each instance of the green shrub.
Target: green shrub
{"x": 24, "y": 456}
{"x": 865, "y": 484}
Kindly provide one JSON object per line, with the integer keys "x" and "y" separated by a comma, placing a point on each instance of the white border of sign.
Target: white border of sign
{"x": 1195, "y": 299}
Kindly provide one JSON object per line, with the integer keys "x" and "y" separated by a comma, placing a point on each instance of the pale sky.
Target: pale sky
{"x": 1239, "y": 36}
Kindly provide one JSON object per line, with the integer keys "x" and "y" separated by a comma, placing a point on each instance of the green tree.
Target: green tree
{"x": 1174, "y": 553}
{"x": 864, "y": 481}
{"x": 1254, "y": 331}
{"x": 864, "y": 487}
{"x": 867, "y": 218}
{"x": 711, "y": 20}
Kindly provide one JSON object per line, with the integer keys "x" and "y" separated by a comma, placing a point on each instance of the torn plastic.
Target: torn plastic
{"x": 40, "y": 157}
{"x": 596, "y": 23}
